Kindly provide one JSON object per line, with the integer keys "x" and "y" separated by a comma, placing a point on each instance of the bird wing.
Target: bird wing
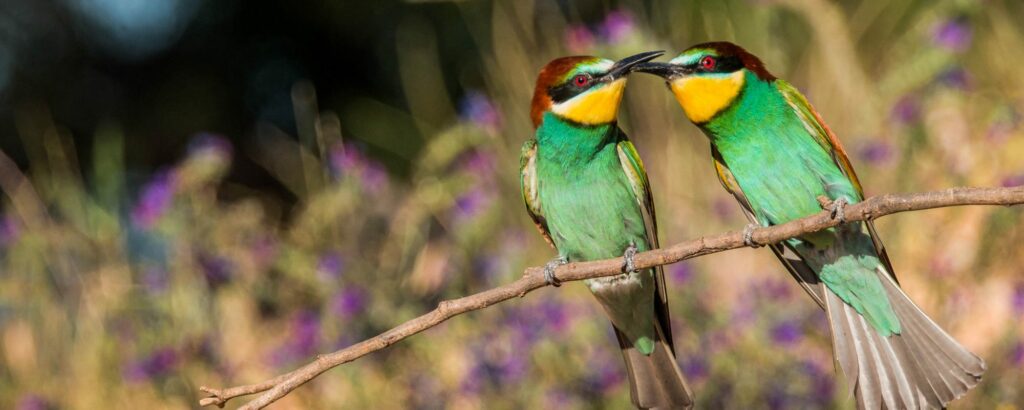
{"x": 816, "y": 127}
{"x": 531, "y": 191}
{"x": 633, "y": 167}
{"x": 796, "y": 266}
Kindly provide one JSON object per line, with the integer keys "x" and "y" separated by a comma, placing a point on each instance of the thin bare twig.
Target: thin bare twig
{"x": 533, "y": 279}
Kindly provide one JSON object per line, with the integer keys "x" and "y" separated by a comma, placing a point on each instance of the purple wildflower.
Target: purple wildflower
{"x": 350, "y": 302}
{"x": 347, "y": 160}
{"x": 475, "y": 107}
{"x": 786, "y": 333}
{"x": 956, "y": 77}
{"x": 822, "y": 384}
{"x": 1017, "y": 299}
{"x": 158, "y": 363}
{"x": 724, "y": 208}
{"x": 876, "y": 152}
{"x": 216, "y": 269}
{"x": 695, "y": 367}
{"x": 305, "y": 333}
{"x": 1013, "y": 180}
{"x": 9, "y": 230}
{"x": 953, "y": 34}
{"x": 330, "y": 266}
{"x": 263, "y": 250}
{"x": 906, "y": 110}
{"x": 33, "y": 401}
{"x": 156, "y": 197}
{"x": 206, "y": 143}
{"x": 471, "y": 203}
{"x": 617, "y": 26}
{"x": 681, "y": 272}
{"x": 477, "y": 162}
{"x": 154, "y": 279}
{"x": 579, "y": 39}
{"x": 555, "y": 315}
{"x": 1017, "y": 354}
{"x": 607, "y": 376}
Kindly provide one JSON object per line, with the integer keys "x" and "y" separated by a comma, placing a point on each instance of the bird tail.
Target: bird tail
{"x": 922, "y": 366}
{"x": 655, "y": 381}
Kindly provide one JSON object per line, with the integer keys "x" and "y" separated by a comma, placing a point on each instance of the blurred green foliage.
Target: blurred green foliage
{"x": 116, "y": 296}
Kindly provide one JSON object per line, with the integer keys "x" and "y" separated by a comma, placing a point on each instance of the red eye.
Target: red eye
{"x": 581, "y": 80}
{"x": 708, "y": 63}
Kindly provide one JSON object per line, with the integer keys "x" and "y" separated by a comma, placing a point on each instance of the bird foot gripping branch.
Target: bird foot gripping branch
{"x": 549, "y": 270}
{"x": 748, "y": 235}
{"x": 836, "y": 208}
{"x": 629, "y": 256}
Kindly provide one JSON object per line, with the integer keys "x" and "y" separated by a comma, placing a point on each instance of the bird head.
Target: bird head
{"x": 583, "y": 89}
{"x": 707, "y": 78}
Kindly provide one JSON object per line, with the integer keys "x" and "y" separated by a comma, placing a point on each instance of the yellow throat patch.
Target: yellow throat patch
{"x": 703, "y": 97}
{"x": 594, "y": 107}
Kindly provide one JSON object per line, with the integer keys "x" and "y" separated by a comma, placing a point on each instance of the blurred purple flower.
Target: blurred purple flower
{"x": 475, "y": 107}
{"x": 556, "y": 315}
{"x": 156, "y": 197}
{"x": 208, "y": 143}
{"x": 606, "y": 376}
{"x": 330, "y": 266}
{"x": 32, "y": 401}
{"x": 512, "y": 368}
{"x": 1017, "y": 354}
{"x": 158, "y": 363}
{"x": 264, "y": 250}
{"x": 471, "y": 203}
{"x": 953, "y": 34}
{"x": 724, "y": 208}
{"x": 1013, "y": 180}
{"x": 216, "y": 269}
{"x": 617, "y": 25}
{"x": 9, "y": 230}
{"x": 1017, "y": 299}
{"x": 786, "y": 333}
{"x": 350, "y": 302}
{"x": 956, "y": 77}
{"x": 347, "y": 160}
{"x": 695, "y": 366}
{"x": 906, "y": 110}
{"x": 680, "y": 272}
{"x": 477, "y": 162}
{"x": 876, "y": 152}
{"x": 823, "y": 386}
{"x": 154, "y": 279}
{"x": 305, "y": 333}
{"x": 579, "y": 39}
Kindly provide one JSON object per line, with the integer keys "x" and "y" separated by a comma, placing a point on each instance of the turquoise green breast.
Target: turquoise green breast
{"x": 586, "y": 199}
{"x": 779, "y": 166}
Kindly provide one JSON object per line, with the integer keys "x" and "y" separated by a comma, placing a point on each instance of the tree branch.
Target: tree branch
{"x": 533, "y": 279}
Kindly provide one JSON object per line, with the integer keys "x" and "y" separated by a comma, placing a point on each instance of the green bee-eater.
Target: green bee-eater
{"x": 774, "y": 153}
{"x": 587, "y": 190}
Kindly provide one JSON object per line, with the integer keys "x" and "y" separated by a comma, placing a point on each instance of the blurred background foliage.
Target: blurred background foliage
{"x": 212, "y": 192}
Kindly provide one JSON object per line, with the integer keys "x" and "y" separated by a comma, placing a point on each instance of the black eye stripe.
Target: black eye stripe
{"x": 567, "y": 90}
{"x": 726, "y": 64}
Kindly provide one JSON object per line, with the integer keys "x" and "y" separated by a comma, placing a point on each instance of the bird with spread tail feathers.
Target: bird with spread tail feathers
{"x": 587, "y": 190}
{"x": 777, "y": 157}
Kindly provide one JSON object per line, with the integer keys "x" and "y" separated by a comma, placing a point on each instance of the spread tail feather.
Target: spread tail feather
{"x": 921, "y": 367}
{"x": 655, "y": 381}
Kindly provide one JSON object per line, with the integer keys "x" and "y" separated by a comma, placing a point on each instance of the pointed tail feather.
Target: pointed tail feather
{"x": 921, "y": 367}
{"x": 655, "y": 381}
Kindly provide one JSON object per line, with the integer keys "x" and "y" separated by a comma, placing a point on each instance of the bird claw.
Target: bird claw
{"x": 629, "y": 255}
{"x": 838, "y": 209}
{"x": 748, "y": 235}
{"x": 549, "y": 270}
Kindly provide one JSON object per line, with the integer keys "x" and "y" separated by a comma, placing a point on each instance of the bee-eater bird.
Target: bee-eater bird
{"x": 587, "y": 190}
{"x": 773, "y": 152}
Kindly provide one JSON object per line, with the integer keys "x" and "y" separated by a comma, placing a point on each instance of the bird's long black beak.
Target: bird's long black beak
{"x": 663, "y": 70}
{"x": 626, "y": 65}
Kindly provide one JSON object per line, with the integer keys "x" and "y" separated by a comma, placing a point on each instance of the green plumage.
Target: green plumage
{"x": 802, "y": 168}
{"x": 592, "y": 212}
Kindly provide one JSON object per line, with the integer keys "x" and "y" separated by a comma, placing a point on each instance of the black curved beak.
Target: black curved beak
{"x": 663, "y": 70}
{"x": 626, "y": 65}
